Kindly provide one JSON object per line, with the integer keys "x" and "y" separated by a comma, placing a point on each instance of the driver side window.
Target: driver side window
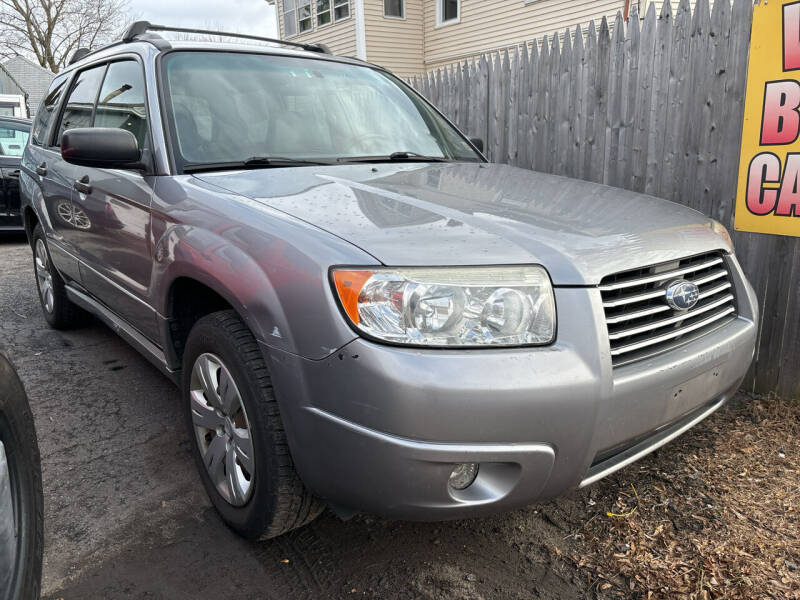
{"x": 121, "y": 101}
{"x": 108, "y": 96}
{"x": 79, "y": 109}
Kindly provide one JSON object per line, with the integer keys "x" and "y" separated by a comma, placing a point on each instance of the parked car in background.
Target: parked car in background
{"x": 14, "y": 134}
{"x": 361, "y": 310}
{"x": 21, "y": 503}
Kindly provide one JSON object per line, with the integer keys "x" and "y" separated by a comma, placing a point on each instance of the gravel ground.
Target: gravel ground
{"x": 126, "y": 516}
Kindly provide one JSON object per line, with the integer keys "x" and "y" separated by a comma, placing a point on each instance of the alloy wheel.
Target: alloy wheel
{"x": 44, "y": 277}
{"x": 222, "y": 429}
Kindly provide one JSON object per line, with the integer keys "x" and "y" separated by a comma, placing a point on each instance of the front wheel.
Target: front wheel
{"x": 240, "y": 445}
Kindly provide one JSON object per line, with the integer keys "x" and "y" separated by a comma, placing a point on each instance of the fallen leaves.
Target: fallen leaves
{"x": 715, "y": 514}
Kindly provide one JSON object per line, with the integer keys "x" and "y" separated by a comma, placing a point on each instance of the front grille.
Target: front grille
{"x": 642, "y": 324}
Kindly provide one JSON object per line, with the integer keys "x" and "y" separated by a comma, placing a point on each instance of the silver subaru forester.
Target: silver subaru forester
{"x": 360, "y": 310}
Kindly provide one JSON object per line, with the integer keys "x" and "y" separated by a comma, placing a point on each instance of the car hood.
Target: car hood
{"x": 481, "y": 214}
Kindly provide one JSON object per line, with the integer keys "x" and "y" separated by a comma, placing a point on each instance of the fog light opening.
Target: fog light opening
{"x": 463, "y": 476}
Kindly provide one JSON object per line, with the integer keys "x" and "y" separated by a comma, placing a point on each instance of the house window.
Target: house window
{"x": 289, "y": 18}
{"x": 323, "y": 12}
{"x": 447, "y": 11}
{"x": 303, "y": 15}
{"x": 394, "y": 8}
{"x": 332, "y": 10}
{"x": 341, "y": 9}
{"x": 296, "y": 17}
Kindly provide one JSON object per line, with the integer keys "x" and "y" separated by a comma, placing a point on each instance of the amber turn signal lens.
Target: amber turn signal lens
{"x": 349, "y": 285}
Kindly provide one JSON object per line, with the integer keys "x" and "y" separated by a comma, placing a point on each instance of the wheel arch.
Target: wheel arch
{"x": 212, "y": 274}
{"x": 29, "y": 221}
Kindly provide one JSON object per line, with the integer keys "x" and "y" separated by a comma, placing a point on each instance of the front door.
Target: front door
{"x": 115, "y": 247}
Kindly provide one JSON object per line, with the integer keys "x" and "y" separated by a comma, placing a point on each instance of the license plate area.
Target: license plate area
{"x": 693, "y": 392}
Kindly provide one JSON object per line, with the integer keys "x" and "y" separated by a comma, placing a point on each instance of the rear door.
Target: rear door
{"x": 114, "y": 248}
{"x": 52, "y": 175}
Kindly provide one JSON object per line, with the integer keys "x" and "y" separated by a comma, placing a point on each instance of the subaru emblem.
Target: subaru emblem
{"x": 682, "y": 294}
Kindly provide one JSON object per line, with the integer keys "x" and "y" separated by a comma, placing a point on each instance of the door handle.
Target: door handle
{"x": 42, "y": 169}
{"x": 82, "y": 185}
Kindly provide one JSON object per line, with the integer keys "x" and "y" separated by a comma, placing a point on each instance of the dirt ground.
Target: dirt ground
{"x": 715, "y": 514}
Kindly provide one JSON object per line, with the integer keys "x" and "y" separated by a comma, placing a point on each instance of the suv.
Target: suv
{"x": 359, "y": 309}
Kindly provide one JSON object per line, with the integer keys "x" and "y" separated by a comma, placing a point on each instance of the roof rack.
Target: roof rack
{"x": 138, "y": 30}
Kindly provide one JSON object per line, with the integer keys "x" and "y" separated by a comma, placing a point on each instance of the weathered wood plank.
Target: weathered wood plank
{"x": 677, "y": 115}
{"x": 512, "y": 106}
{"x": 721, "y": 185}
{"x": 632, "y": 99}
{"x": 563, "y": 111}
{"x": 616, "y": 77}
{"x": 540, "y": 107}
{"x": 657, "y": 139}
{"x": 601, "y": 99}
{"x": 578, "y": 105}
{"x": 590, "y": 102}
{"x": 637, "y": 172}
{"x": 523, "y": 106}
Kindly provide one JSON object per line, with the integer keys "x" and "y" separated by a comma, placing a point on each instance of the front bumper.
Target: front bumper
{"x": 379, "y": 428}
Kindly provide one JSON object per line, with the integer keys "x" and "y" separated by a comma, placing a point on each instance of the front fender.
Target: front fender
{"x": 189, "y": 252}
{"x": 270, "y": 267}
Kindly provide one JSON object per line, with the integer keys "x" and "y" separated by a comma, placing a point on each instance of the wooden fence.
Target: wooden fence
{"x": 655, "y": 106}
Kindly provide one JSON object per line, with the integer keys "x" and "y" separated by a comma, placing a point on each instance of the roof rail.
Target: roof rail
{"x": 139, "y": 29}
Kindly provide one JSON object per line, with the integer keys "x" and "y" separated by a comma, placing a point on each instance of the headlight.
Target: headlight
{"x": 721, "y": 231}
{"x": 454, "y": 306}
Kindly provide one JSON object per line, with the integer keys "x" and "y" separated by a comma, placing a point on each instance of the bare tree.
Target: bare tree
{"x": 51, "y": 30}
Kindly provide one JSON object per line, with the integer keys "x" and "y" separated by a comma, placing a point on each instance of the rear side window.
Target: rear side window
{"x": 48, "y": 107}
{"x": 121, "y": 101}
{"x": 79, "y": 109}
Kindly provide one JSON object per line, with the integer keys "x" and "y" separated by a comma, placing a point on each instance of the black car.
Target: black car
{"x": 21, "y": 503}
{"x": 14, "y": 134}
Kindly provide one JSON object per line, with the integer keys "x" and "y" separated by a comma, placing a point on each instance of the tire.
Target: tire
{"x": 254, "y": 488}
{"x": 21, "y": 503}
{"x": 58, "y": 309}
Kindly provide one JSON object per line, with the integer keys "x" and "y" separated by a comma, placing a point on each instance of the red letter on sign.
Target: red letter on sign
{"x": 780, "y": 122}
{"x": 789, "y": 198}
{"x": 764, "y": 168}
{"x": 791, "y": 36}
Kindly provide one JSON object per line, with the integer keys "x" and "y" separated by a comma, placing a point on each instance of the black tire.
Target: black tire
{"x": 63, "y": 314}
{"x": 20, "y": 573}
{"x": 279, "y": 501}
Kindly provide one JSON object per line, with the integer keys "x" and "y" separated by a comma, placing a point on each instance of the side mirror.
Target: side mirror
{"x": 101, "y": 147}
{"x": 478, "y": 143}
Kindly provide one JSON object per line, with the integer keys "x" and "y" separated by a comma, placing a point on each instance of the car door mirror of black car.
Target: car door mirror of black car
{"x": 101, "y": 147}
{"x": 478, "y": 143}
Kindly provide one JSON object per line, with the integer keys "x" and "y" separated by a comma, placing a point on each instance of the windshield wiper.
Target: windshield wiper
{"x": 254, "y": 162}
{"x": 395, "y": 157}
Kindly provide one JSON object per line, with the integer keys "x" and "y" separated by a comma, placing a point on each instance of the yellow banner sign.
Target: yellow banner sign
{"x": 768, "y": 199}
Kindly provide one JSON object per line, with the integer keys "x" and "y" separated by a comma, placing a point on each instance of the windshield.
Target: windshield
{"x": 228, "y": 107}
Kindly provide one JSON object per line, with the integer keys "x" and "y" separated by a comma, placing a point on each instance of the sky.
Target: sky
{"x": 242, "y": 16}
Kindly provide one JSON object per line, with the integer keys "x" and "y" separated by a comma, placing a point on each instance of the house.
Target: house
{"x": 33, "y": 79}
{"x": 12, "y": 96}
{"x": 414, "y": 36}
